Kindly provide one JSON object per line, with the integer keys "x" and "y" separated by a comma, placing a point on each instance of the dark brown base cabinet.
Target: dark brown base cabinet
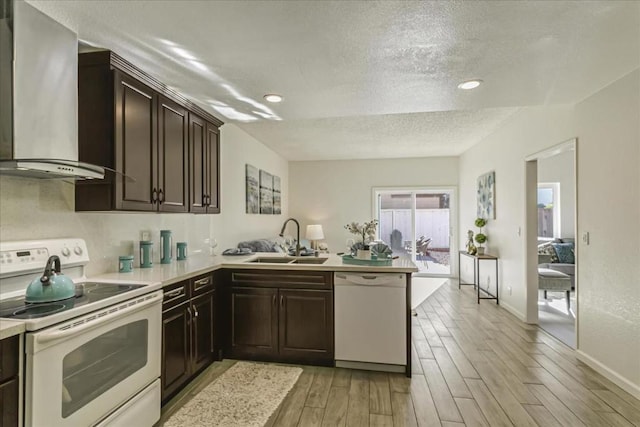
{"x": 164, "y": 148}
{"x": 9, "y": 349}
{"x": 188, "y": 325}
{"x": 305, "y": 324}
{"x": 272, "y": 317}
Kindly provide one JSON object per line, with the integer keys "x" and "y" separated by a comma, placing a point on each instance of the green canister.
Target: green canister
{"x": 146, "y": 253}
{"x": 125, "y": 263}
{"x": 182, "y": 251}
{"x": 166, "y": 247}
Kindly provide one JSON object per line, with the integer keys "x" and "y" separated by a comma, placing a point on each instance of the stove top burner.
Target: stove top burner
{"x": 38, "y": 310}
{"x": 86, "y": 293}
{"x": 109, "y": 290}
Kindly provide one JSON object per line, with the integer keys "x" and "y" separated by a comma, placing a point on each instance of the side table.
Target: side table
{"x": 476, "y": 274}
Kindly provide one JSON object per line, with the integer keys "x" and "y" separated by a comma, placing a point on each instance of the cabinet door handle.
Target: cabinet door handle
{"x": 195, "y": 310}
{"x": 201, "y": 282}
{"x": 274, "y": 300}
{"x": 281, "y": 301}
{"x": 154, "y": 195}
{"x": 160, "y": 196}
{"x": 190, "y": 315}
{"x": 175, "y": 293}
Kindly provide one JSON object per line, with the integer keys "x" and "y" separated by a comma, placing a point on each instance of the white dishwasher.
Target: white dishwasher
{"x": 371, "y": 321}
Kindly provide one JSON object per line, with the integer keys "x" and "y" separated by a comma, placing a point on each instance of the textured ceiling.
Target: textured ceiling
{"x": 367, "y": 79}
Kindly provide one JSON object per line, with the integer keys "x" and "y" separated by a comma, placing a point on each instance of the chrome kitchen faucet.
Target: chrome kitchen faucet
{"x": 297, "y": 233}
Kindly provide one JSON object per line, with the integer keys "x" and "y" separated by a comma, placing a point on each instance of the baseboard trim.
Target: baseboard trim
{"x": 620, "y": 381}
{"x": 513, "y": 311}
{"x": 367, "y": 366}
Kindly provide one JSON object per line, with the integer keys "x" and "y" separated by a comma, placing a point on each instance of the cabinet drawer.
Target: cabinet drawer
{"x": 282, "y": 279}
{"x": 201, "y": 284}
{"x": 175, "y": 294}
{"x": 9, "y": 348}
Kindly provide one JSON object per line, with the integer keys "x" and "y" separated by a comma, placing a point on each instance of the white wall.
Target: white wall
{"x": 560, "y": 169}
{"x": 606, "y": 125}
{"x": 526, "y": 132}
{"x": 334, "y": 193}
{"x": 234, "y": 224}
{"x": 31, "y": 209}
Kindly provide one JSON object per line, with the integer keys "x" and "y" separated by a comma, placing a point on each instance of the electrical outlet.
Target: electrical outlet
{"x": 585, "y": 237}
{"x": 145, "y": 235}
{"x": 519, "y": 232}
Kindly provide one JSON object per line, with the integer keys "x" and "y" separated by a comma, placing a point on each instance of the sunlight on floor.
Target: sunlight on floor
{"x": 554, "y": 318}
{"x": 423, "y": 287}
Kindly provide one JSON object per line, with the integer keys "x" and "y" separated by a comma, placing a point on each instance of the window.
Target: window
{"x": 548, "y": 210}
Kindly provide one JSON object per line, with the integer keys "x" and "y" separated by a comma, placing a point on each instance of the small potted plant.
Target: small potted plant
{"x": 480, "y": 237}
{"x": 367, "y": 232}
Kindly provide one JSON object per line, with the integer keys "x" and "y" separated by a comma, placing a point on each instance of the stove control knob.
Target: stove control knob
{"x": 77, "y": 250}
{"x": 65, "y": 251}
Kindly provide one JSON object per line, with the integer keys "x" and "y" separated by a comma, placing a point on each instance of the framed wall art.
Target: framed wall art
{"x": 277, "y": 196}
{"x": 252, "y": 179}
{"x": 487, "y": 196}
{"x": 266, "y": 192}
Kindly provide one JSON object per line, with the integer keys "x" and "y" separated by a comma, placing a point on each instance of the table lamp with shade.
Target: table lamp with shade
{"x": 314, "y": 233}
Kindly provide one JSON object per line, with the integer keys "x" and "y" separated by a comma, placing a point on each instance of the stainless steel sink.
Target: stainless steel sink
{"x": 288, "y": 260}
{"x": 273, "y": 260}
{"x": 310, "y": 261}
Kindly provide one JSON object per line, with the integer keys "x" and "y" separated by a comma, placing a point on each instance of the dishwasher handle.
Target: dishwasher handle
{"x": 370, "y": 279}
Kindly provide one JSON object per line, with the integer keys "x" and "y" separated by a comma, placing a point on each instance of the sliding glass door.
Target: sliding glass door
{"x": 417, "y": 224}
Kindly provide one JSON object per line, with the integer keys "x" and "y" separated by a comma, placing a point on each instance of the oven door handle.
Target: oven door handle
{"x": 95, "y": 319}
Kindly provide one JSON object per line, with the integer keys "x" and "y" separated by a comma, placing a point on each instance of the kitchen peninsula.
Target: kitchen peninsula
{"x": 269, "y": 307}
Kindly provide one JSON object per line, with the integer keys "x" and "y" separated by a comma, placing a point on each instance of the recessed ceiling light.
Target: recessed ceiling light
{"x": 469, "y": 84}
{"x": 272, "y": 97}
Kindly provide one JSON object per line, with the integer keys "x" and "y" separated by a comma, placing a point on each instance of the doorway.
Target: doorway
{"x": 417, "y": 224}
{"x": 551, "y": 237}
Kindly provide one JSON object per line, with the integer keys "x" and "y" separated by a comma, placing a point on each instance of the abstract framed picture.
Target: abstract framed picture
{"x": 252, "y": 179}
{"x": 487, "y": 195}
{"x": 266, "y": 193}
{"x": 277, "y": 196}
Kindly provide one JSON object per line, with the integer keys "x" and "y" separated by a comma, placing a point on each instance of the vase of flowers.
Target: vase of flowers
{"x": 480, "y": 237}
{"x": 367, "y": 232}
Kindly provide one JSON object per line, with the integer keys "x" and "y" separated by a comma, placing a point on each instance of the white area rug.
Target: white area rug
{"x": 244, "y": 395}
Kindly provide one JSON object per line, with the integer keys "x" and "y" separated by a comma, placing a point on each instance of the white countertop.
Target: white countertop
{"x": 166, "y": 274}
{"x": 199, "y": 264}
{"x": 9, "y": 328}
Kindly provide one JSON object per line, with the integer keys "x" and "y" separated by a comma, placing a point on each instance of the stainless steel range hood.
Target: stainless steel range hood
{"x": 39, "y": 96}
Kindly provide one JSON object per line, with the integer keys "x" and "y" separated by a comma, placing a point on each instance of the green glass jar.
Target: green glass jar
{"x": 166, "y": 247}
{"x": 125, "y": 263}
{"x": 146, "y": 254}
{"x": 182, "y": 251}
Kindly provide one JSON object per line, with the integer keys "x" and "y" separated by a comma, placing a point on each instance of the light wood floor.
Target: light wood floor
{"x": 473, "y": 365}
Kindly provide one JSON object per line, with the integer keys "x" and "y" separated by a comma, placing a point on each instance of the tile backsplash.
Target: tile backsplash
{"x": 37, "y": 209}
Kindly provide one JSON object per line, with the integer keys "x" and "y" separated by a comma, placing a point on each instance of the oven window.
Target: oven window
{"x": 96, "y": 366}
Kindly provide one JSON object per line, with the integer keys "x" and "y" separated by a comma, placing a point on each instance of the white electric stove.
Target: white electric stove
{"x": 93, "y": 359}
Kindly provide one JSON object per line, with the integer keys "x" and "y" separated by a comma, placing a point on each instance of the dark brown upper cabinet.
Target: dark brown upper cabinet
{"x": 173, "y": 153}
{"x": 204, "y": 155}
{"x": 131, "y": 123}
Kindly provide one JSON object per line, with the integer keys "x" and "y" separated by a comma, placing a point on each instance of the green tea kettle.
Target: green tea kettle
{"x": 52, "y": 285}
